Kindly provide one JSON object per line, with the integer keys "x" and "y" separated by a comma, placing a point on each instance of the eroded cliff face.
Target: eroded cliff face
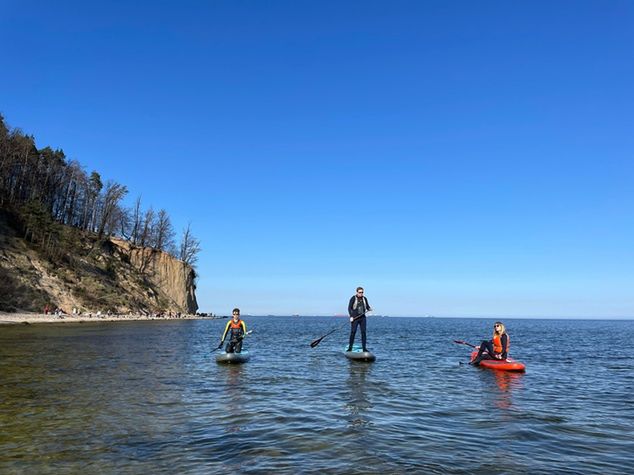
{"x": 93, "y": 276}
{"x": 174, "y": 278}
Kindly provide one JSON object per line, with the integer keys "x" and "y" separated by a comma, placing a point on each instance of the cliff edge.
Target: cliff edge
{"x": 91, "y": 275}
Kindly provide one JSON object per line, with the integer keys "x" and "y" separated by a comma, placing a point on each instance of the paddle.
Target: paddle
{"x": 460, "y": 342}
{"x": 241, "y": 338}
{"x": 316, "y": 342}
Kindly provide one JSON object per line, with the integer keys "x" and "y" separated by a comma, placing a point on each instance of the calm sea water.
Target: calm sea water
{"x": 148, "y": 397}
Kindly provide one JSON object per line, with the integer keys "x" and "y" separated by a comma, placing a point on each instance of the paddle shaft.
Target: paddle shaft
{"x": 460, "y": 342}
{"x": 242, "y": 338}
{"x": 316, "y": 342}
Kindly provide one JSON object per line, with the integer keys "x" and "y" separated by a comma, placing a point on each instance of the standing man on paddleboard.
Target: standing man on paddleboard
{"x": 357, "y": 309}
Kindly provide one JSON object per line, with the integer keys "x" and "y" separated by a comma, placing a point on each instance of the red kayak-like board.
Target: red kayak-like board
{"x": 508, "y": 364}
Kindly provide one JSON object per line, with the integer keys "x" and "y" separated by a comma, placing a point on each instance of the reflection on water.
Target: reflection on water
{"x": 507, "y": 382}
{"x": 358, "y": 402}
{"x": 236, "y": 385}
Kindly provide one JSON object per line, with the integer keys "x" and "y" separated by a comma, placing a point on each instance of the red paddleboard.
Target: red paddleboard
{"x": 508, "y": 364}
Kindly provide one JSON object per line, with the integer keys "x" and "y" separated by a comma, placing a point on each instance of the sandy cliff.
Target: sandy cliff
{"x": 174, "y": 278}
{"x": 107, "y": 276}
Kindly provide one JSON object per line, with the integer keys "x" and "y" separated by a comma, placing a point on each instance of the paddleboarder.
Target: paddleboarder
{"x": 357, "y": 309}
{"x": 238, "y": 330}
{"x": 496, "y": 348}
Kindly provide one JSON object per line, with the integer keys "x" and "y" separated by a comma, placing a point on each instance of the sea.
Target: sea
{"x": 149, "y": 398}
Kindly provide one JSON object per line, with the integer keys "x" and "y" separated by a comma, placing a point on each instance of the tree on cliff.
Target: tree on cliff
{"x": 46, "y": 190}
{"x": 135, "y": 221}
{"x": 109, "y": 207}
{"x": 91, "y": 188}
{"x": 145, "y": 236}
{"x": 189, "y": 248}
{"x": 163, "y": 232}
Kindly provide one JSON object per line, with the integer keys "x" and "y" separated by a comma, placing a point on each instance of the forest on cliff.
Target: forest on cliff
{"x": 45, "y": 189}
{"x": 69, "y": 216}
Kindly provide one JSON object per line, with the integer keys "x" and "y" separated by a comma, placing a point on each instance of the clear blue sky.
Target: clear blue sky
{"x": 455, "y": 158}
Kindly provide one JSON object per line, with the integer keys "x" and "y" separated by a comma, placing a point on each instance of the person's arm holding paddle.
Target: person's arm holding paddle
{"x": 350, "y": 308}
{"x": 224, "y": 335}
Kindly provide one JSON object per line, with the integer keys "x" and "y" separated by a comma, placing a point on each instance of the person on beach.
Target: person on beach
{"x": 238, "y": 331}
{"x": 495, "y": 348}
{"x": 357, "y": 309}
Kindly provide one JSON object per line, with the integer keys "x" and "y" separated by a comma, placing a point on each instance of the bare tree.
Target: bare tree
{"x": 163, "y": 232}
{"x": 145, "y": 235}
{"x": 92, "y": 188}
{"x": 109, "y": 206}
{"x": 189, "y": 248}
{"x": 136, "y": 220}
{"x": 123, "y": 223}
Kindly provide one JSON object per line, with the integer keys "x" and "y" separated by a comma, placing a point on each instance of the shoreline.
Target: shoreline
{"x": 21, "y": 318}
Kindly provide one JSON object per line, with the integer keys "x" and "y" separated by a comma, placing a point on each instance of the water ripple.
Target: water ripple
{"x": 147, "y": 397}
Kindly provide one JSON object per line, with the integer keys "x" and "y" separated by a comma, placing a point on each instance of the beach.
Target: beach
{"x": 30, "y": 318}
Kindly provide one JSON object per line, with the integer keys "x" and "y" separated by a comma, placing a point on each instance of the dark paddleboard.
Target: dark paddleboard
{"x": 232, "y": 358}
{"x": 357, "y": 354}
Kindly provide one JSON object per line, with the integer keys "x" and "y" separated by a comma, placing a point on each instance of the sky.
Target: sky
{"x": 454, "y": 158}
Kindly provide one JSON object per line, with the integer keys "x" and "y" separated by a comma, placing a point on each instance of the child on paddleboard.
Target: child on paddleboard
{"x": 238, "y": 330}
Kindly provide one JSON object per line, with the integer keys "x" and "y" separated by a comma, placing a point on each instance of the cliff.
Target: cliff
{"x": 91, "y": 275}
{"x": 174, "y": 278}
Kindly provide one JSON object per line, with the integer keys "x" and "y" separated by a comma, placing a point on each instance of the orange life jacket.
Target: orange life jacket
{"x": 497, "y": 343}
{"x": 237, "y": 329}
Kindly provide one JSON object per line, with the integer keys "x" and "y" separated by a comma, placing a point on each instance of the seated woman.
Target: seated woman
{"x": 496, "y": 348}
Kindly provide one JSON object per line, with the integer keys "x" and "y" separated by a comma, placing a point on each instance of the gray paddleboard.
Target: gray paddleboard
{"x": 232, "y": 358}
{"x": 357, "y": 354}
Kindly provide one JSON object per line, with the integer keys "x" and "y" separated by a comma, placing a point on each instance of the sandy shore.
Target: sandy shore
{"x": 21, "y": 318}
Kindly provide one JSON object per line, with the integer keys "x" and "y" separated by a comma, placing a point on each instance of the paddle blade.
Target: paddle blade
{"x": 316, "y": 342}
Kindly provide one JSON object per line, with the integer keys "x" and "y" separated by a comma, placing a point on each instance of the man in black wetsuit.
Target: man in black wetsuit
{"x": 357, "y": 309}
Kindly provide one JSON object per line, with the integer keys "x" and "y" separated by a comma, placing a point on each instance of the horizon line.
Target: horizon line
{"x": 514, "y": 317}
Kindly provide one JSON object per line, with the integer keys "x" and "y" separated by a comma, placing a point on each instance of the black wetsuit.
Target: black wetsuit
{"x": 361, "y": 308}
{"x": 234, "y": 345}
{"x": 237, "y": 335}
{"x": 487, "y": 346}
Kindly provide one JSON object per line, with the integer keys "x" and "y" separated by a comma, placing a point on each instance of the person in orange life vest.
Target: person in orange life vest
{"x": 496, "y": 348}
{"x": 357, "y": 309}
{"x": 238, "y": 331}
